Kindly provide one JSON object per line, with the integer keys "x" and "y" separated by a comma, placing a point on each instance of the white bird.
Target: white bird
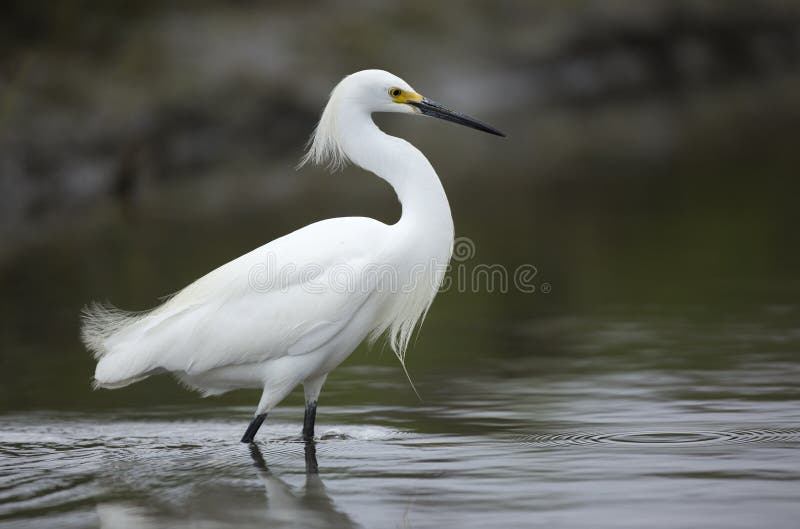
{"x": 292, "y": 310}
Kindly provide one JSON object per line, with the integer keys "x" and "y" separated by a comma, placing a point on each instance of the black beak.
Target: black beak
{"x": 433, "y": 109}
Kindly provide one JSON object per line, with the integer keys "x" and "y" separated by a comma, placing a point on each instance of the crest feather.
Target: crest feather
{"x": 323, "y": 146}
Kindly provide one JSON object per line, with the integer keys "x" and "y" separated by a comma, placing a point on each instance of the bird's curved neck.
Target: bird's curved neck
{"x": 406, "y": 169}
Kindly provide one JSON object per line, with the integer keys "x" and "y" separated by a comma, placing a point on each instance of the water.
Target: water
{"x": 647, "y": 438}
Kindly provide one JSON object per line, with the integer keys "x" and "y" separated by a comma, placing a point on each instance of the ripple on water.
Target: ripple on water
{"x": 362, "y": 433}
{"x": 666, "y": 437}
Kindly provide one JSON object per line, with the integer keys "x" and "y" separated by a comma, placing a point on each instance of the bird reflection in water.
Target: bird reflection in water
{"x": 287, "y": 506}
{"x": 312, "y": 507}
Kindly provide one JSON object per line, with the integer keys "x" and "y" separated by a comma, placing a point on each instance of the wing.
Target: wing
{"x": 287, "y": 297}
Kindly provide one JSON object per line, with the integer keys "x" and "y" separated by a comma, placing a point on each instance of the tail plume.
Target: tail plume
{"x": 100, "y": 321}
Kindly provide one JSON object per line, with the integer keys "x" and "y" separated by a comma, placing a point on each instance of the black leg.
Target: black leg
{"x": 255, "y": 424}
{"x": 308, "y": 421}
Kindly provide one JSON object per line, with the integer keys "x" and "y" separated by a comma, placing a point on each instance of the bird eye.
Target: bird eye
{"x": 395, "y": 92}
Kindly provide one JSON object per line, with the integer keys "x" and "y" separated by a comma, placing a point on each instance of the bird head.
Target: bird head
{"x": 370, "y": 91}
{"x": 381, "y": 91}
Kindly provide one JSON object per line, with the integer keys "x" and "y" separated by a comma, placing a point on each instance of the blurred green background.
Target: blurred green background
{"x": 650, "y": 165}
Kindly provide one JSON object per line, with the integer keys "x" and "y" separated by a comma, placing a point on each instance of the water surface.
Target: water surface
{"x": 639, "y": 419}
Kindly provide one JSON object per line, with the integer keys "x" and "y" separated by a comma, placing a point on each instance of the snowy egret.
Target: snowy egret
{"x": 292, "y": 310}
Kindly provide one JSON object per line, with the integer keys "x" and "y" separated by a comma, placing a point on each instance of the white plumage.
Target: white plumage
{"x": 292, "y": 310}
